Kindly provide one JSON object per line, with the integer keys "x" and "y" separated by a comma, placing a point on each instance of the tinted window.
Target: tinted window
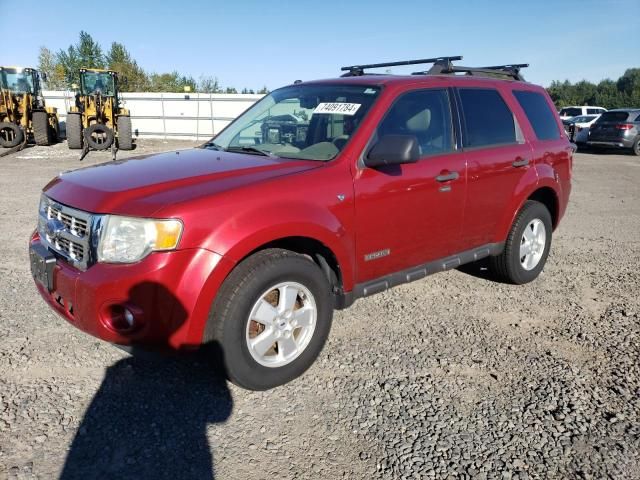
{"x": 540, "y": 115}
{"x": 570, "y": 112}
{"x": 487, "y": 119}
{"x": 637, "y": 119}
{"x": 424, "y": 114}
{"x": 592, "y": 111}
{"x": 613, "y": 117}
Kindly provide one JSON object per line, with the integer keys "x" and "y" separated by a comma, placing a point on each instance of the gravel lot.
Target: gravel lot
{"x": 453, "y": 376}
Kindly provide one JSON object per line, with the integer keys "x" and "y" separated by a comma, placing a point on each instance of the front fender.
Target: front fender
{"x": 242, "y": 234}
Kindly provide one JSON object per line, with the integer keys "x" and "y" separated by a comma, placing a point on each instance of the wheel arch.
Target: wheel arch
{"x": 313, "y": 248}
{"x": 543, "y": 192}
{"x": 549, "y": 198}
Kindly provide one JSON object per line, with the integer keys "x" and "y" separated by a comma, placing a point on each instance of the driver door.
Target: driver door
{"x": 410, "y": 214}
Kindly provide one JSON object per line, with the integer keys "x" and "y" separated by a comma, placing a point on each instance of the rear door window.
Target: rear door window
{"x": 486, "y": 117}
{"x": 540, "y": 116}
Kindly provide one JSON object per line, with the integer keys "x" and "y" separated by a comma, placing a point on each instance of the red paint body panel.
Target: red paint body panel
{"x": 232, "y": 204}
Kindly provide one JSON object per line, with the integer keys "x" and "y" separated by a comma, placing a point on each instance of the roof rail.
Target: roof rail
{"x": 510, "y": 70}
{"x": 358, "y": 70}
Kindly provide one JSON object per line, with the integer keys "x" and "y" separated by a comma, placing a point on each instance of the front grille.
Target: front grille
{"x": 76, "y": 225}
{"x": 66, "y": 231}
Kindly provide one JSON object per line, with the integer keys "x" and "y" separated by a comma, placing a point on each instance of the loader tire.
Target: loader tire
{"x": 41, "y": 129}
{"x": 74, "y": 131}
{"x": 125, "y": 136}
{"x": 98, "y": 136}
{"x": 11, "y": 135}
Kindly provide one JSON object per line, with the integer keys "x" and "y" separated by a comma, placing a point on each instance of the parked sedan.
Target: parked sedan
{"x": 577, "y": 128}
{"x": 617, "y": 129}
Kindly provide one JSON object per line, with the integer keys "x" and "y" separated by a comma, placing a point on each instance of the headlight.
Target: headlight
{"x": 128, "y": 240}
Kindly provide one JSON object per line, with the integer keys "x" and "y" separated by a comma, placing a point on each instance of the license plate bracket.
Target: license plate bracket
{"x": 43, "y": 263}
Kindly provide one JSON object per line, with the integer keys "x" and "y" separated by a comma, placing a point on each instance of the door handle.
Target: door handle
{"x": 520, "y": 162}
{"x": 447, "y": 177}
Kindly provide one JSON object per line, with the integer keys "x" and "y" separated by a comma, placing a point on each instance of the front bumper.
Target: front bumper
{"x": 168, "y": 293}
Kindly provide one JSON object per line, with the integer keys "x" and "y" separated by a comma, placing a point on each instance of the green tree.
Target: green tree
{"x": 170, "y": 82}
{"x": 86, "y": 53}
{"x": 208, "y": 84}
{"x": 131, "y": 77}
{"x": 264, "y": 90}
{"x": 54, "y": 72}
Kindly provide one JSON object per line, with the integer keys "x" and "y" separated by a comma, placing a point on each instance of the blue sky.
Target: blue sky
{"x": 256, "y": 43}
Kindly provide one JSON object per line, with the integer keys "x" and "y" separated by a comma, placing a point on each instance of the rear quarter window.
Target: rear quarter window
{"x": 487, "y": 119}
{"x": 540, "y": 116}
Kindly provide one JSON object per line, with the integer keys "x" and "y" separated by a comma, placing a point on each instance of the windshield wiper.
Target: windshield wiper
{"x": 213, "y": 145}
{"x": 249, "y": 149}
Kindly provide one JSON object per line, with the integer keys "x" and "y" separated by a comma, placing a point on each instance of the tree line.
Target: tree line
{"x": 624, "y": 92}
{"x": 62, "y": 68}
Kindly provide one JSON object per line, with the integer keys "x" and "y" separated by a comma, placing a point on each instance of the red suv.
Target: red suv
{"x": 321, "y": 193}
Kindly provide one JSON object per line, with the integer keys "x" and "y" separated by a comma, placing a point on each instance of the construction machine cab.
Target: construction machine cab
{"x": 98, "y": 81}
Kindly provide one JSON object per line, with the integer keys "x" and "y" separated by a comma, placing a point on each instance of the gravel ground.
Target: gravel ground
{"x": 453, "y": 376}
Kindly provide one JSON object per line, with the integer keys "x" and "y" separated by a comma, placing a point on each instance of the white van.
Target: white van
{"x": 569, "y": 112}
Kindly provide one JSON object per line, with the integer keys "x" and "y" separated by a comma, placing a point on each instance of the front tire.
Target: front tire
{"x": 41, "y": 130}
{"x": 527, "y": 246}
{"x": 271, "y": 318}
{"x": 74, "y": 131}
{"x": 125, "y": 134}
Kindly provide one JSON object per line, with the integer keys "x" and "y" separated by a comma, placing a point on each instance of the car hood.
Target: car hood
{"x": 143, "y": 185}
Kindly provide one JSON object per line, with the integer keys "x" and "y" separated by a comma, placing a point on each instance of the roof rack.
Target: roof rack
{"x": 511, "y": 70}
{"x": 442, "y": 66}
{"x": 358, "y": 70}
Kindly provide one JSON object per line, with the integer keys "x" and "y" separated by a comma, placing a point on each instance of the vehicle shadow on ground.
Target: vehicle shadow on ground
{"x": 479, "y": 269}
{"x": 149, "y": 419}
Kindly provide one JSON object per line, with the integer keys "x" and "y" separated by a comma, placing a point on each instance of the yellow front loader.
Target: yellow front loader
{"x": 23, "y": 113}
{"x": 97, "y": 120}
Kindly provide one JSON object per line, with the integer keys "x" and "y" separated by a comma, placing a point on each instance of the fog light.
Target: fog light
{"x": 120, "y": 319}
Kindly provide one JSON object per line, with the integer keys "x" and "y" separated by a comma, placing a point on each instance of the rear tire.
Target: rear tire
{"x": 527, "y": 247}
{"x": 294, "y": 326}
{"x": 98, "y": 136}
{"x": 41, "y": 128}
{"x": 636, "y": 147}
{"x": 74, "y": 131}
{"x": 125, "y": 135}
{"x": 11, "y": 135}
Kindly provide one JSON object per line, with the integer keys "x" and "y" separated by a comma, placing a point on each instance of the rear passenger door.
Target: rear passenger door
{"x": 497, "y": 159}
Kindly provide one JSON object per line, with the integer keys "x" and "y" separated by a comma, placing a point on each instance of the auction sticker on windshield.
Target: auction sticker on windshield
{"x": 338, "y": 107}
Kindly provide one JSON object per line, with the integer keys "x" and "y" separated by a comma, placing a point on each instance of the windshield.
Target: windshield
{"x": 17, "y": 80}
{"x": 312, "y": 122}
{"x": 97, "y": 82}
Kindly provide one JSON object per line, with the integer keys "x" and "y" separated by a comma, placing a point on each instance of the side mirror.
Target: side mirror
{"x": 44, "y": 77}
{"x": 393, "y": 150}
